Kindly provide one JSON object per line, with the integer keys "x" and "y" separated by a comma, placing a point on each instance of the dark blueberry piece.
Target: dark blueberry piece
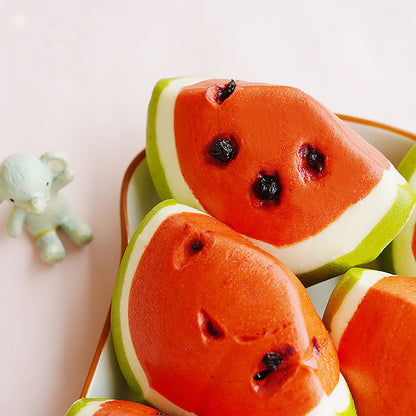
{"x": 314, "y": 158}
{"x": 267, "y": 187}
{"x": 224, "y": 93}
{"x": 261, "y": 375}
{"x": 196, "y": 246}
{"x": 224, "y": 149}
{"x": 272, "y": 361}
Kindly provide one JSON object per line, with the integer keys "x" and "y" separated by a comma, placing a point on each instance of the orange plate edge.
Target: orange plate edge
{"x": 124, "y": 241}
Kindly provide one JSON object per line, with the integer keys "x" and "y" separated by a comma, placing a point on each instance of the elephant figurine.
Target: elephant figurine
{"x": 32, "y": 186}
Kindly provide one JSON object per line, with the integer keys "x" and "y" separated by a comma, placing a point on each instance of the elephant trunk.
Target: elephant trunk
{"x": 38, "y": 205}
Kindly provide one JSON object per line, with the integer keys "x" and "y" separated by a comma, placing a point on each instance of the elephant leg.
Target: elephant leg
{"x": 51, "y": 247}
{"x": 76, "y": 229}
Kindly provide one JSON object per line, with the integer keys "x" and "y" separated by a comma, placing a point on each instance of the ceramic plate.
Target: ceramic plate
{"x": 138, "y": 196}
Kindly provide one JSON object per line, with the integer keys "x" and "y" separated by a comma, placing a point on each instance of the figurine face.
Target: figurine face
{"x": 26, "y": 182}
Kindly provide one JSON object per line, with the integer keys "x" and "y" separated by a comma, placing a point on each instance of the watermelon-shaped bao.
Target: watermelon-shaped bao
{"x": 110, "y": 407}
{"x": 205, "y": 323}
{"x": 278, "y": 167}
{"x": 371, "y": 316}
{"x": 400, "y": 256}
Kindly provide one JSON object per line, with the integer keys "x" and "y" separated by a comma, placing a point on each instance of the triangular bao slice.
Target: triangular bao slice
{"x": 278, "y": 167}
{"x": 205, "y": 323}
{"x": 400, "y": 256}
{"x": 110, "y": 407}
{"x": 371, "y": 318}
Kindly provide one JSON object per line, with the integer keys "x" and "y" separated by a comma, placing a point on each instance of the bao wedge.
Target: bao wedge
{"x": 400, "y": 255}
{"x": 278, "y": 167}
{"x": 205, "y": 323}
{"x": 371, "y": 316}
{"x": 110, "y": 407}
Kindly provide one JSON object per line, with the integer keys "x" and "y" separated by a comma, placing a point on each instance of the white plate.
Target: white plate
{"x": 138, "y": 196}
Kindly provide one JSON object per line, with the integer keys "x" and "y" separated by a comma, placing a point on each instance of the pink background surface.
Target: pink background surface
{"x": 78, "y": 75}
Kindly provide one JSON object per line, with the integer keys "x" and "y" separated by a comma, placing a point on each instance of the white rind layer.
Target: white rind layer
{"x": 403, "y": 259}
{"x": 91, "y": 408}
{"x": 337, "y": 402}
{"x": 352, "y": 300}
{"x": 165, "y": 134}
{"x": 334, "y": 404}
{"x": 345, "y": 233}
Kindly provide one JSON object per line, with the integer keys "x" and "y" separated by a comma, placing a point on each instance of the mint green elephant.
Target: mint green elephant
{"x": 32, "y": 186}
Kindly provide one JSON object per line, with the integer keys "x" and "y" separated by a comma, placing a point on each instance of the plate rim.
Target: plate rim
{"x": 124, "y": 224}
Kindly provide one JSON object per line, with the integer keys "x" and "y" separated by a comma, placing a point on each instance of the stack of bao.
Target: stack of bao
{"x": 264, "y": 191}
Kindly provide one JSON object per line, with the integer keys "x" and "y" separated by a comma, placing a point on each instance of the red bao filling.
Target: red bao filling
{"x": 222, "y": 328}
{"x": 322, "y": 165}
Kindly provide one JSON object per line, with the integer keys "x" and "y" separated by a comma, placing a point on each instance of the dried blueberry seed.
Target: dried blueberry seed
{"x": 261, "y": 375}
{"x": 224, "y": 93}
{"x": 314, "y": 158}
{"x": 267, "y": 187}
{"x": 196, "y": 246}
{"x": 272, "y": 361}
{"x": 224, "y": 149}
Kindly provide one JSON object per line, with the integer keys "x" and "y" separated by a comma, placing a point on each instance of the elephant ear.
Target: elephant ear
{"x": 56, "y": 160}
{"x": 58, "y": 163}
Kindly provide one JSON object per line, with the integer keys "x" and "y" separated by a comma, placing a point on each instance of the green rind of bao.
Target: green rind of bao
{"x": 373, "y": 244}
{"x": 406, "y": 168}
{"x": 79, "y": 405}
{"x": 116, "y": 305}
{"x": 157, "y": 171}
{"x": 344, "y": 286}
{"x": 407, "y": 165}
{"x": 350, "y": 410}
